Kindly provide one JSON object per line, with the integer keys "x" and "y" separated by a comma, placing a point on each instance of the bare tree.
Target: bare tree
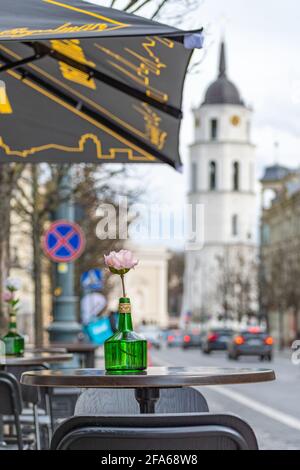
{"x": 273, "y": 287}
{"x": 35, "y": 199}
{"x": 9, "y": 174}
{"x": 175, "y": 283}
{"x": 237, "y": 286}
{"x": 225, "y": 285}
{"x": 172, "y": 9}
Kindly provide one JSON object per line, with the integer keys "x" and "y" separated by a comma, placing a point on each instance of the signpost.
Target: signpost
{"x": 64, "y": 241}
{"x": 92, "y": 279}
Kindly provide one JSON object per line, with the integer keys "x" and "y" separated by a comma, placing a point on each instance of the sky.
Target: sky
{"x": 263, "y": 42}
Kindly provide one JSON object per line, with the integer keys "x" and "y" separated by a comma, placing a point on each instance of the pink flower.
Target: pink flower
{"x": 120, "y": 261}
{"x": 7, "y": 296}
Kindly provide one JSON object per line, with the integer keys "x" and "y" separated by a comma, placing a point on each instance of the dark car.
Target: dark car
{"x": 216, "y": 340}
{"x": 191, "y": 338}
{"x": 251, "y": 342}
{"x": 174, "y": 338}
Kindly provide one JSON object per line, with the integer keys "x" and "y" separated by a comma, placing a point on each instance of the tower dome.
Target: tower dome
{"x": 223, "y": 91}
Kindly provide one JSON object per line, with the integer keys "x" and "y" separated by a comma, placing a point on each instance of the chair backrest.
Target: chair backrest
{"x": 10, "y": 394}
{"x": 117, "y": 402}
{"x": 32, "y": 395}
{"x": 200, "y": 431}
{"x": 11, "y": 401}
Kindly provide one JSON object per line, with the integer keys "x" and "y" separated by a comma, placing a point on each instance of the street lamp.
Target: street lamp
{"x": 65, "y": 327}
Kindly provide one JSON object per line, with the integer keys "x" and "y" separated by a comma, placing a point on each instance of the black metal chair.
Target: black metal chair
{"x": 11, "y": 402}
{"x": 200, "y": 431}
{"x": 39, "y": 400}
{"x": 113, "y": 401}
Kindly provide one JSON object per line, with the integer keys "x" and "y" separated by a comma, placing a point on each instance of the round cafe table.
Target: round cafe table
{"x": 36, "y": 358}
{"x": 147, "y": 384}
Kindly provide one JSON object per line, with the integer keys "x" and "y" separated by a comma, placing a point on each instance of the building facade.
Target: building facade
{"x": 221, "y": 168}
{"x": 280, "y": 252}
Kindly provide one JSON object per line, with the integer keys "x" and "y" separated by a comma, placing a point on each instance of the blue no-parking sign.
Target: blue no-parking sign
{"x": 92, "y": 279}
{"x": 64, "y": 241}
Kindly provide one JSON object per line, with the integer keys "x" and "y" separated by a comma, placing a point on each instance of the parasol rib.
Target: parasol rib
{"x": 24, "y": 61}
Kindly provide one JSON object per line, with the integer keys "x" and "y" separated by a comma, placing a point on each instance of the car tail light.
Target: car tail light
{"x": 171, "y": 338}
{"x": 269, "y": 341}
{"x": 212, "y": 337}
{"x": 187, "y": 339}
{"x": 239, "y": 340}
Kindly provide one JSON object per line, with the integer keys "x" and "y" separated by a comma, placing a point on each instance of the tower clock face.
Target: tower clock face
{"x": 235, "y": 120}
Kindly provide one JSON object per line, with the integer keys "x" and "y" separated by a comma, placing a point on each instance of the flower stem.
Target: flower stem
{"x": 123, "y": 285}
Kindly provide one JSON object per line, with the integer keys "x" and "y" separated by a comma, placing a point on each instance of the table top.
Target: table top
{"x": 155, "y": 377}
{"x": 46, "y": 349}
{"x": 35, "y": 358}
{"x": 76, "y": 347}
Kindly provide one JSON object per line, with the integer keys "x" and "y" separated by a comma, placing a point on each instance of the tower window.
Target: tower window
{"x": 214, "y": 129}
{"x": 234, "y": 225}
{"x": 236, "y": 176}
{"x": 194, "y": 177}
{"x": 212, "y": 175}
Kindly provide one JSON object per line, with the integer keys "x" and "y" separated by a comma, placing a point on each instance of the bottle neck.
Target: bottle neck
{"x": 12, "y": 326}
{"x": 125, "y": 320}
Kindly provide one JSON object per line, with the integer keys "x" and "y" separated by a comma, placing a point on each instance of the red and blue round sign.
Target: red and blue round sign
{"x": 64, "y": 241}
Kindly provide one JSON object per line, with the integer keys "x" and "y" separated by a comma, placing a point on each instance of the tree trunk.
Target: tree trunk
{"x": 37, "y": 264}
{"x": 281, "y": 330}
{"x": 5, "y": 209}
{"x": 296, "y": 328}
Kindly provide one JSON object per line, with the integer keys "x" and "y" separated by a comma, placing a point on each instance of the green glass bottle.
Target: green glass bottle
{"x": 125, "y": 351}
{"x": 14, "y": 343}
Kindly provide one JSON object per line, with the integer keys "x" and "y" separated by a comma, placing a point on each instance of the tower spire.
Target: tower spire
{"x": 222, "y": 64}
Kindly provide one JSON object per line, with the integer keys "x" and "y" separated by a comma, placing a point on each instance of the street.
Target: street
{"x": 272, "y": 408}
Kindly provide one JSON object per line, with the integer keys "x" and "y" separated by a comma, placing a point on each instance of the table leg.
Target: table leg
{"x": 147, "y": 397}
{"x": 2, "y": 443}
{"x": 90, "y": 360}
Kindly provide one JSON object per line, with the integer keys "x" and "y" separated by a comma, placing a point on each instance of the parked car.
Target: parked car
{"x": 152, "y": 334}
{"x": 216, "y": 340}
{"x": 174, "y": 338}
{"x": 251, "y": 342}
{"x": 191, "y": 338}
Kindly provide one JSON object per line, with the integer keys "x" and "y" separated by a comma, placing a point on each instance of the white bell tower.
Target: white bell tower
{"x": 221, "y": 169}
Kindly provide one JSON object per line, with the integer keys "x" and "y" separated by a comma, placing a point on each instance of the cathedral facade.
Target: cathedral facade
{"x": 221, "y": 168}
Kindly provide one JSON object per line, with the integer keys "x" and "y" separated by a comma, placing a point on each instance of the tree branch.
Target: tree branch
{"x": 159, "y": 8}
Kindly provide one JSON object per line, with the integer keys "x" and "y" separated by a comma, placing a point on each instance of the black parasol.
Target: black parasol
{"x": 86, "y": 83}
